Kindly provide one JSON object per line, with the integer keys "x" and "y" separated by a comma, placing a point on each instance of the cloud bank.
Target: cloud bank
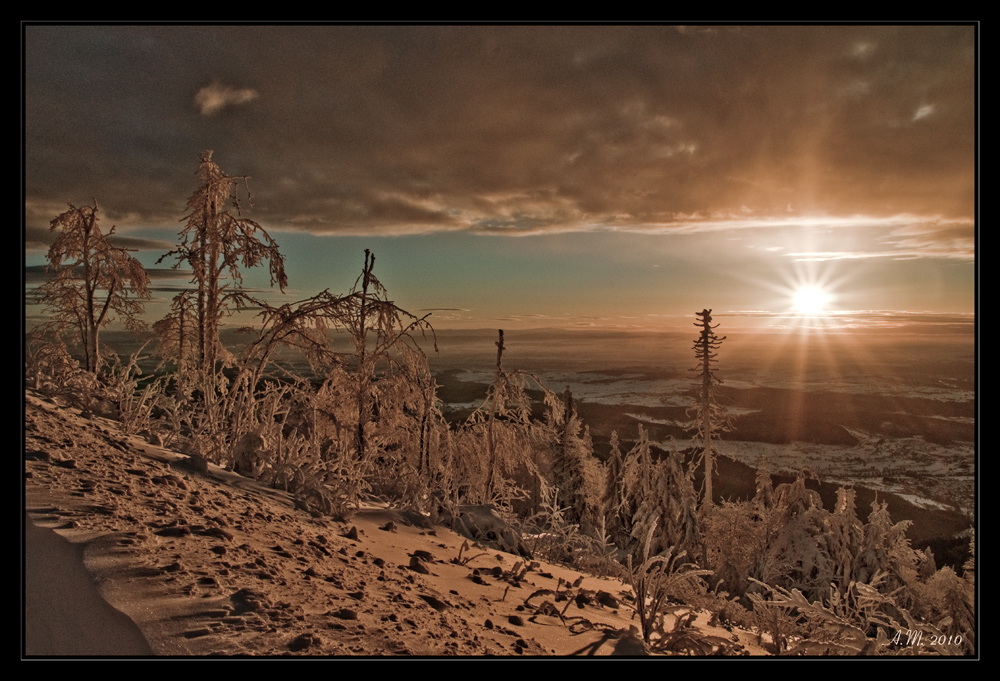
{"x": 518, "y": 130}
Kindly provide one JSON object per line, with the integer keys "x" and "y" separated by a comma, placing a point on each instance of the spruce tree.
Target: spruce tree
{"x": 614, "y": 500}
{"x": 573, "y": 453}
{"x": 669, "y": 503}
{"x": 638, "y": 510}
{"x": 710, "y": 420}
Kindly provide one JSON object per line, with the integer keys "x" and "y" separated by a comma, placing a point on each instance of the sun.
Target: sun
{"x": 810, "y": 299}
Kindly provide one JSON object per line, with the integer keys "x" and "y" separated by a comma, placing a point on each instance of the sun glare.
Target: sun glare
{"x": 811, "y": 300}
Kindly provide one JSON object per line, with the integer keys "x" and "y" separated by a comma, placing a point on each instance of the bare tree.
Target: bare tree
{"x": 92, "y": 282}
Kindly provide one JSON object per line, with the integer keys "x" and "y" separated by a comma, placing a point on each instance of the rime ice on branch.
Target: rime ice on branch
{"x": 216, "y": 245}
{"x": 92, "y": 281}
{"x": 710, "y": 419}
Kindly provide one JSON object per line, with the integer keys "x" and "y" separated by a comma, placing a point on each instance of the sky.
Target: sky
{"x": 574, "y": 177}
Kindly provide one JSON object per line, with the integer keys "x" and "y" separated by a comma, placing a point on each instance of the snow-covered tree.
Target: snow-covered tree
{"x": 92, "y": 282}
{"x": 177, "y": 332}
{"x": 500, "y": 441}
{"x": 764, "y": 496}
{"x": 385, "y": 350}
{"x": 218, "y": 245}
{"x": 710, "y": 419}
{"x": 614, "y": 500}
{"x": 574, "y": 467}
{"x": 668, "y": 501}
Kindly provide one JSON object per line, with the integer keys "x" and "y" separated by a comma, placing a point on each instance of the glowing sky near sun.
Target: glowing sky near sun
{"x": 533, "y": 176}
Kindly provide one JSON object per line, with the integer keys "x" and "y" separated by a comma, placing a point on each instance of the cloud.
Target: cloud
{"x": 161, "y": 273}
{"x": 923, "y": 111}
{"x": 824, "y": 256}
{"x": 512, "y": 130}
{"x": 215, "y": 97}
{"x": 35, "y": 275}
{"x": 868, "y": 321}
{"x": 37, "y": 239}
{"x": 909, "y": 316}
{"x": 940, "y": 238}
{"x": 142, "y": 243}
{"x": 879, "y": 320}
{"x": 917, "y": 238}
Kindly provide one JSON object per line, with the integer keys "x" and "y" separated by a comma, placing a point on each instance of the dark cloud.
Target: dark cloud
{"x": 141, "y": 243}
{"x": 507, "y": 129}
{"x": 40, "y": 238}
{"x": 36, "y": 239}
{"x": 161, "y": 273}
{"x": 35, "y": 275}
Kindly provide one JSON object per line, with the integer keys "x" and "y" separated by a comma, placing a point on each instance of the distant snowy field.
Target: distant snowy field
{"x": 928, "y": 474}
